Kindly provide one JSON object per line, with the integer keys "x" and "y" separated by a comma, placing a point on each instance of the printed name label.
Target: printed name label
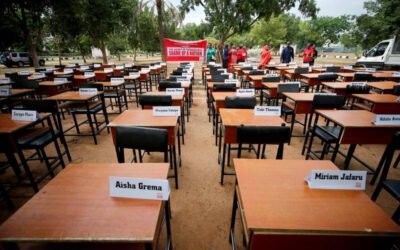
{"x": 24, "y": 115}
{"x": 68, "y": 70}
{"x": 325, "y": 94}
{"x": 337, "y": 179}
{"x": 167, "y": 111}
{"x": 88, "y": 91}
{"x": 60, "y": 79}
{"x": 5, "y": 91}
{"x": 348, "y": 67}
{"x": 245, "y": 92}
{"x": 89, "y": 74}
{"x": 361, "y": 84}
{"x": 97, "y": 65}
{"x": 139, "y": 188}
{"x": 119, "y": 67}
{"x": 230, "y": 81}
{"x": 175, "y": 91}
{"x": 108, "y": 70}
{"x": 84, "y": 68}
{"x": 370, "y": 70}
{"x": 5, "y": 80}
{"x": 128, "y": 65}
{"x": 116, "y": 80}
{"x": 267, "y": 110}
{"x": 387, "y": 120}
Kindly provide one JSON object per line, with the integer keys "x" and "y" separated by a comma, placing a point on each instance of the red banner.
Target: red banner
{"x": 176, "y": 50}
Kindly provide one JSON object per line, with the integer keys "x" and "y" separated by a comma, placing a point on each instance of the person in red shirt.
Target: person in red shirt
{"x": 242, "y": 54}
{"x": 233, "y": 55}
{"x": 308, "y": 54}
{"x": 265, "y": 57}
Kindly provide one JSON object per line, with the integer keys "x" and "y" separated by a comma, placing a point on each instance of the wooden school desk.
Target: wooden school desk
{"x": 62, "y": 73}
{"x": 76, "y": 208}
{"x": 74, "y": 96}
{"x": 52, "y": 88}
{"x": 335, "y": 87}
{"x": 218, "y": 99}
{"x": 380, "y": 104}
{"x": 257, "y": 81}
{"x": 15, "y": 95}
{"x": 102, "y": 75}
{"x": 81, "y": 79}
{"x": 346, "y": 76}
{"x": 37, "y": 77}
{"x": 279, "y": 211}
{"x": 300, "y": 103}
{"x": 385, "y": 87}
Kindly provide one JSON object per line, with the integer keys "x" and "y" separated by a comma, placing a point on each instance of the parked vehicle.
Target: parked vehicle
{"x": 19, "y": 59}
{"x": 384, "y": 55}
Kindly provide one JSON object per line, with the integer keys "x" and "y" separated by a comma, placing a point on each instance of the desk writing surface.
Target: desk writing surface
{"x": 19, "y": 92}
{"x": 257, "y": 77}
{"x": 272, "y": 85}
{"x": 132, "y": 77}
{"x": 346, "y": 74}
{"x": 378, "y": 98}
{"x": 275, "y": 197}
{"x": 7, "y": 125}
{"x": 83, "y": 77}
{"x": 220, "y": 96}
{"x": 62, "y": 73}
{"x": 246, "y": 117}
{"x": 210, "y": 85}
{"x": 383, "y": 85}
{"x": 76, "y": 206}
{"x": 52, "y": 83}
{"x": 300, "y": 97}
{"x": 310, "y": 75}
{"x": 110, "y": 84}
{"x": 336, "y": 85}
{"x": 143, "y": 118}
{"x": 174, "y": 97}
{"x": 72, "y": 96}
{"x": 352, "y": 118}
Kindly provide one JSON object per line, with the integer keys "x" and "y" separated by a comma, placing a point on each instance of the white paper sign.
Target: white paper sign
{"x": 97, "y": 65}
{"x": 139, "y": 188}
{"x": 68, "y": 70}
{"x": 230, "y": 75}
{"x": 387, "y": 120}
{"x": 39, "y": 75}
{"x": 183, "y": 82}
{"x": 108, "y": 70}
{"x": 71, "y": 65}
{"x": 166, "y": 111}
{"x": 230, "y": 81}
{"x": 60, "y": 79}
{"x": 89, "y": 74}
{"x": 24, "y": 73}
{"x": 119, "y": 67}
{"x": 293, "y": 66}
{"x": 245, "y": 92}
{"x": 304, "y": 65}
{"x": 24, "y": 115}
{"x": 181, "y": 78}
{"x": 222, "y": 70}
{"x": 175, "y": 91}
{"x": 211, "y": 63}
{"x": 128, "y": 65}
{"x": 84, "y": 68}
{"x": 272, "y": 75}
{"x": 163, "y": 64}
{"x": 297, "y": 83}
{"x": 282, "y": 65}
{"x": 134, "y": 74}
{"x": 361, "y": 84}
{"x": 396, "y": 74}
{"x": 328, "y": 65}
{"x": 337, "y": 179}
{"x": 348, "y": 67}
{"x": 267, "y": 110}
{"x": 88, "y": 91}
{"x": 254, "y": 67}
{"x": 317, "y": 66}
{"x": 325, "y": 94}
{"x": 187, "y": 75}
{"x": 370, "y": 70}
{"x": 5, "y": 80}
{"x": 116, "y": 80}
{"x": 5, "y": 91}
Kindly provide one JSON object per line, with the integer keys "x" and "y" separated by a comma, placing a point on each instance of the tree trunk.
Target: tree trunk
{"x": 32, "y": 50}
{"x": 103, "y": 52}
{"x": 119, "y": 57}
{"x": 134, "y": 54}
{"x": 160, "y": 19}
{"x": 59, "y": 53}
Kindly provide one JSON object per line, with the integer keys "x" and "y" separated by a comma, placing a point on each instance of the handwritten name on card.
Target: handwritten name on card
{"x": 175, "y": 91}
{"x": 139, "y": 188}
{"x": 24, "y": 115}
{"x": 245, "y": 92}
{"x": 88, "y": 91}
{"x": 167, "y": 111}
{"x": 387, "y": 120}
{"x": 267, "y": 110}
{"x": 337, "y": 179}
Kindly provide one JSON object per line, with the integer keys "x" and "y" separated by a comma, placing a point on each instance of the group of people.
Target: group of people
{"x": 230, "y": 54}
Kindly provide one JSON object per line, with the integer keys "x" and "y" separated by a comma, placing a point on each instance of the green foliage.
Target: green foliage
{"x": 192, "y": 31}
{"x": 272, "y": 32}
{"x": 242, "y": 40}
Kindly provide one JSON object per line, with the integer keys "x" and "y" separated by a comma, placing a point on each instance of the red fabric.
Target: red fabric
{"x": 265, "y": 56}
{"x": 242, "y": 54}
{"x": 232, "y": 57}
{"x": 308, "y": 55}
{"x": 176, "y": 50}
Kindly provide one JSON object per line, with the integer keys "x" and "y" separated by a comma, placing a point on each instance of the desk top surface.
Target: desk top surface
{"x": 300, "y": 97}
{"x": 8, "y": 126}
{"x": 272, "y": 85}
{"x": 76, "y": 206}
{"x": 257, "y": 77}
{"x": 246, "y": 117}
{"x": 143, "y": 118}
{"x": 220, "y": 96}
{"x": 19, "y": 92}
{"x": 275, "y": 197}
{"x": 72, "y": 96}
{"x": 52, "y": 83}
{"x": 83, "y": 77}
{"x": 111, "y": 84}
{"x": 174, "y": 97}
{"x": 383, "y": 85}
{"x": 336, "y": 85}
{"x": 378, "y": 98}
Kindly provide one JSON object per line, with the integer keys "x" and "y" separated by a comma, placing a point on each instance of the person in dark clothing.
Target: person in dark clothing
{"x": 225, "y": 56}
{"x": 287, "y": 54}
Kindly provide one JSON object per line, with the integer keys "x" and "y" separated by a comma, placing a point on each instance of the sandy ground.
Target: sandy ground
{"x": 201, "y": 208}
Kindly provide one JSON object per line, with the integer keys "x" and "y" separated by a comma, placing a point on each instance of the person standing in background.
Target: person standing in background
{"x": 210, "y": 53}
{"x": 315, "y": 53}
{"x": 233, "y": 55}
{"x": 242, "y": 54}
{"x": 287, "y": 54}
{"x": 225, "y": 56}
{"x": 308, "y": 54}
{"x": 265, "y": 57}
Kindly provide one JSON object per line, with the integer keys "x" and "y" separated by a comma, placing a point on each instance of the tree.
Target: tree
{"x": 229, "y": 17}
{"x": 28, "y": 15}
{"x": 161, "y": 29}
{"x": 192, "y": 31}
{"x": 118, "y": 43}
{"x": 272, "y": 32}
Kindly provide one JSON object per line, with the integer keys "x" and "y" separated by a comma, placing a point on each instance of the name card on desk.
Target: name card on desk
{"x": 5, "y": 91}
{"x": 271, "y": 63}
{"x": 370, "y": 70}
{"x": 71, "y": 65}
{"x": 89, "y": 74}
{"x": 24, "y": 73}
{"x": 348, "y": 67}
{"x": 337, "y": 179}
{"x": 167, "y": 111}
{"x": 68, "y": 70}
{"x": 211, "y": 63}
{"x": 128, "y": 65}
{"x": 60, "y": 79}
{"x": 305, "y": 65}
{"x": 49, "y": 69}
{"x": 267, "y": 110}
{"x": 396, "y": 74}
{"x": 84, "y": 68}
{"x": 294, "y": 66}
{"x": 5, "y": 80}
{"x": 134, "y": 74}
{"x": 24, "y": 115}
{"x": 183, "y": 81}
{"x": 117, "y": 80}
{"x": 222, "y": 70}
{"x": 361, "y": 84}
{"x": 387, "y": 120}
{"x": 39, "y": 75}
{"x": 108, "y": 70}
{"x": 230, "y": 81}
{"x": 328, "y": 65}
{"x": 272, "y": 75}
{"x": 325, "y": 94}
{"x": 230, "y": 75}
{"x": 175, "y": 91}
{"x": 88, "y": 91}
{"x": 182, "y": 78}
{"x": 245, "y": 92}
{"x": 119, "y": 67}
{"x": 97, "y": 65}
{"x": 254, "y": 67}
{"x": 188, "y": 75}
{"x": 297, "y": 83}
{"x": 282, "y": 65}
{"x": 317, "y": 66}
{"x": 139, "y": 188}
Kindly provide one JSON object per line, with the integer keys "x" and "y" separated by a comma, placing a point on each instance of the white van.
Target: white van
{"x": 384, "y": 55}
